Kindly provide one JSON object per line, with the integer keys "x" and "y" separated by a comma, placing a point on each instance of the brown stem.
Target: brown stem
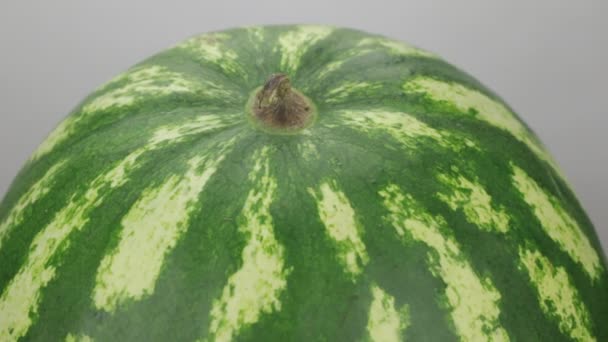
{"x": 279, "y": 106}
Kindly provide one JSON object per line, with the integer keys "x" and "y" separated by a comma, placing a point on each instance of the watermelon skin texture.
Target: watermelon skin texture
{"x": 417, "y": 206}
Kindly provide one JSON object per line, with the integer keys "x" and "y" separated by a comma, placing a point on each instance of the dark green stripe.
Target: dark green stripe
{"x": 321, "y": 302}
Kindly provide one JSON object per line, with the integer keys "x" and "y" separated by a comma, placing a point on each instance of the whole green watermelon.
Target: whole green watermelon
{"x": 296, "y": 183}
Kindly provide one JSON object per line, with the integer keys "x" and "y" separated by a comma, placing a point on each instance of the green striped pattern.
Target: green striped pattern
{"x": 417, "y": 206}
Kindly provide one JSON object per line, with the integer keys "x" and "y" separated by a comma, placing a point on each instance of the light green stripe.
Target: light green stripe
{"x": 205, "y": 123}
{"x": 343, "y": 57}
{"x": 255, "y": 288}
{"x": 294, "y": 44}
{"x": 403, "y": 127}
{"x": 341, "y": 225}
{"x": 337, "y": 63}
{"x": 350, "y": 89}
{"x": 372, "y": 44}
{"x": 211, "y": 48}
{"x": 385, "y": 323}
{"x": 148, "y": 81}
{"x": 141, "y": 83}
{"x": 138, "y": 82}
{"x": 78, "y": 338}
{"x": 395, "y": 47}
{"x": 20, "y": 298}
{"x": 309, "y": 151}
{"x": 557, "y": 296}
{"x": 474, "y": 301}
{"x": 473, "y": 199}
{"x": 59, "y": 134}
{"x": 558, "y": 224}
{"x": 151, "y": 230}
{"x": 19, "y": 301}
{"x": 256, "y": 34}
{"x": 35, "y": 193}
{"x": 465, "y": 99}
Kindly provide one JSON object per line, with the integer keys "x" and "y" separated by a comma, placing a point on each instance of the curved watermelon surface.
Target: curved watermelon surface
{"x": 417, "y": 206}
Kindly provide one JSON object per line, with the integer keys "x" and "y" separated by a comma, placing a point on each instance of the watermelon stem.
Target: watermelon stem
{"x": 278, "y": 105}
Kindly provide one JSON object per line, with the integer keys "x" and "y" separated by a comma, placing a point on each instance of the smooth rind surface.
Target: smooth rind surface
{"x": 416, "y": 206}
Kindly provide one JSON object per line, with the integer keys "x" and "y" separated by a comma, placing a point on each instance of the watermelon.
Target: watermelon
{"x": 296, "y": 183}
